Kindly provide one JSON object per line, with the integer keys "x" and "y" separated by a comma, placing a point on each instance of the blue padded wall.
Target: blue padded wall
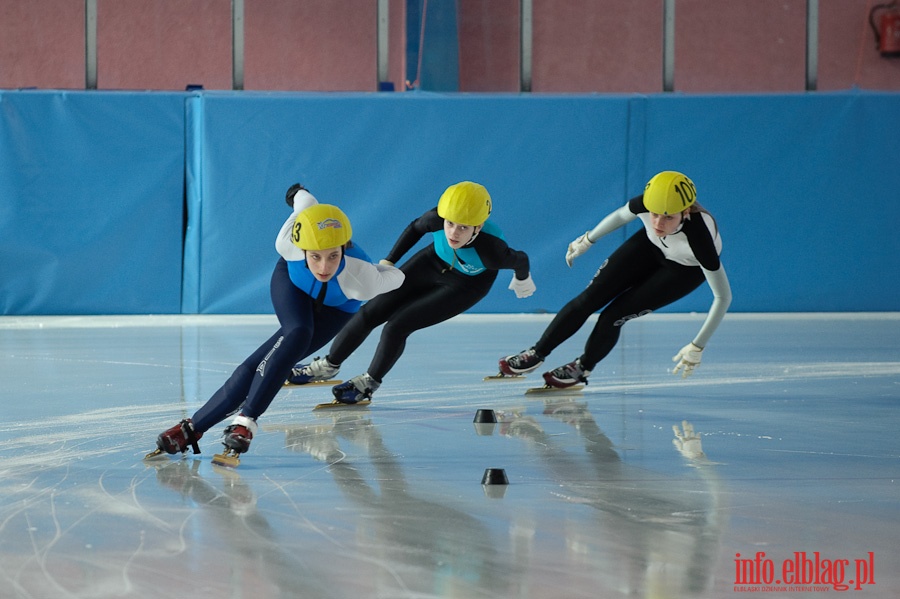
{"x": 801, "y": 185}
{"x": 91, "y": 202}
{"x": 784, "y": 175}
{"x": 386, "y": 159}
{"x": 92, "y": 189}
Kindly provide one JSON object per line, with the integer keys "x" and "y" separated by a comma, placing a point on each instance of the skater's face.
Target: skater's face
{"x": 666, "y": 224}
{"x": 324, "y": 263}
{"x": 459, "y": 235}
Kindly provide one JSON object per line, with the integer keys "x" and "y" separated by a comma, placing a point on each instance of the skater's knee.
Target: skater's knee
{"x": 296, "y": 336}
{"x": 579, "y": 309}
{"x": 396, "y": 333}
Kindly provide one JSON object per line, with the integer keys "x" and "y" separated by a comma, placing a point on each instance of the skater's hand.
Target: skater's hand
{"x": 523, "y": 288}
{"x": 577, "y": 247}
{"x": 385, "y": 263}
{"x": 686, "y": 441}
{"x": 688, "y": 358}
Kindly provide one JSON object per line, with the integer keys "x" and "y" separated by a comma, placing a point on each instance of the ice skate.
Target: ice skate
{"x": 500, "y": 376}
{"x": 318, "y": 372}
{"x": 355, "y": 392}
{"x": 520, "y": 364}
{"x": 236, "y": 441}
{"x": 339, "y": 404}
{"x": 177, "y": 439}
{"x": 568, "y": 377}
{"x": 547, "y": 389}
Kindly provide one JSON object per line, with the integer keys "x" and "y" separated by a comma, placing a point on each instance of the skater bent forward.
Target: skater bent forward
{"x": 444, "y": 279}
{"x": 676, "y": 251}
{"x": 319, "y": 282}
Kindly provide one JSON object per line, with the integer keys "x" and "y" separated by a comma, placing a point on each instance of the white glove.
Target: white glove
{"x": 523, "y": 288}
{"x": 385, "y": 263}
{"x": 578, "y": 247}
{"x": 688, "y": 357}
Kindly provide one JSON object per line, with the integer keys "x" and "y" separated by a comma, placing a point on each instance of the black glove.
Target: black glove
{"x": 291, "y": 192}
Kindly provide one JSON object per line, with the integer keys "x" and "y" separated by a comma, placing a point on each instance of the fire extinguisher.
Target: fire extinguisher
{"x": 887, "y": 30}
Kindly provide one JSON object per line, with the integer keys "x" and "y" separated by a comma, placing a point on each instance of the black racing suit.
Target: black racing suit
{"x": 635, "y": 280}
{"x": 433, "y": 291}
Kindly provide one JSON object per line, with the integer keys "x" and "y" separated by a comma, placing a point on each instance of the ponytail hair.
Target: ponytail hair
{"x": 696, "y": 208}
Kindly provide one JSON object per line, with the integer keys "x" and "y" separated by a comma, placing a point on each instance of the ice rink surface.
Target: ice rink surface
{"x": 789, "y": 487}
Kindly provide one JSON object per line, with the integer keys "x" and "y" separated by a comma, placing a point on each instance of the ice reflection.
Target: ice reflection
{"x": 434, "y": 548}
{"x": 256, "y": 561}
{"x": 666, "y": 528}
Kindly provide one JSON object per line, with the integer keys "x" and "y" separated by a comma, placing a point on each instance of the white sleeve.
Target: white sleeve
{"x": 283, "y": 244}
{"x": 613, "y": 221}
{"x": 361, "y": 280}
{"x": 718, "y": 282}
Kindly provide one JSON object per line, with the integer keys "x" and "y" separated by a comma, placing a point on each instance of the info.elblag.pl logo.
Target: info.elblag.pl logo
{"x": 802, "y": 572}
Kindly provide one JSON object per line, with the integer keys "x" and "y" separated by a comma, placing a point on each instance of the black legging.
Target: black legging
{"x": 431, "y": 293}
{"x": 256, "y": 382}
{"x": 635, "y": 280}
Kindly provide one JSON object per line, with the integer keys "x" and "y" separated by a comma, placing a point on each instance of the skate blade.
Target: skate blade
{"x": 153, "y": 454}
{"x": 504, "y": 377}
{"x": 314, "y": 383}
{"x": 229, "y": 458}
{"x": 549, "y": 389}
{"x": 337, "y": 404}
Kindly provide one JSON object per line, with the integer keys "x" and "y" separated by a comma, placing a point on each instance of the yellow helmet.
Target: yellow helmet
{"x": 465, "y": 203}
{"x": 321, "y": 226}
{"x": 669, "y": 192}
